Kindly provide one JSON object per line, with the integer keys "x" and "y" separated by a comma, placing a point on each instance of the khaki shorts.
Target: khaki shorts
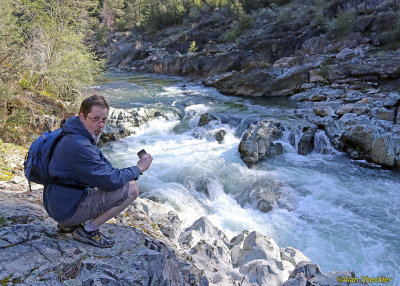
{"x": 95, "y": 203}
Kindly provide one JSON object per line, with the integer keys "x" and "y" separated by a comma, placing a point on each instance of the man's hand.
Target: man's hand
{"x": 144, "y": 162}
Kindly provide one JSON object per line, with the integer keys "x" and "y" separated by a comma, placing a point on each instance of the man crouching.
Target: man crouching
{"x": 101, "y": 191}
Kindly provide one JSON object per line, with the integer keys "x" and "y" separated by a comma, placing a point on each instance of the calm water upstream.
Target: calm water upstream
{"x": 343, "y": 214}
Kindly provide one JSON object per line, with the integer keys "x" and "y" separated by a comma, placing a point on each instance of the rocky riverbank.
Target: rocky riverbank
{"x": 152, "y": 248}
{"x": 346, "y": 82}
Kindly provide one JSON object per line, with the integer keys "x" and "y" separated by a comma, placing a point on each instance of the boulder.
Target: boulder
{"x": 124, "y": 122}
{"x": 371, "y": 143}
{"x": 264, "y": 82}
{"x": 256, "y": 142}
{"x": 383, "y": 114}
{"x": 211, "y": 47}
{"x": 323, "y": 110}
{"x": 293, "y": 255}
{"x": 258, "y": 246}
{"x": 220, "y": 135}
{"x": 34, "y": 252}
{"x": 345, "y": 108}
{"x": 307, "y": 273}
{"x": 206, "y": 118}
{"x": 306, "y": 142}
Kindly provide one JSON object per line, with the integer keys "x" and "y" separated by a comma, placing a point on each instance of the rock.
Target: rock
{"x": 398, "y": 116}
{"x": 307, "y": 273}
{"x": 256, "y": 142}
{"x": 383, "y": 114}
{"x": 344, "y": 53}
{"x": 346, "y": 108}
{"x": 315, "y": 76}
{"x": 211, "y": 47}
{"x": 293, "y": 255}
{"x": 371, "y": 143}
{"x": 306, "y": 142}
{"x": 261, "y": 272}
{"x": 46, "y": 123}
{"x": 206, "y": 118}
{"x": 220, "y": 135}
{"x": 263, "y": 82}
{"x": 33, "y": 252}
{"x": 323, "y": 110}
{"x": 124, "y": 122}
{"x": 201, "y": 228}
{"x": 317, "y": 97}
{"x": 257, "y": 246}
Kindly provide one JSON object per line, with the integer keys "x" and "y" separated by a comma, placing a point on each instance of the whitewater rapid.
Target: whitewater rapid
{"x": 342, "y": 214}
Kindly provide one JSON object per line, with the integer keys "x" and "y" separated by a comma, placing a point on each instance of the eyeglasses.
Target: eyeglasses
{"x": 98, "y": 120}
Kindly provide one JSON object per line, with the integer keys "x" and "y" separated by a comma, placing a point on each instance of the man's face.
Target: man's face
{"x": 95, "y": 121}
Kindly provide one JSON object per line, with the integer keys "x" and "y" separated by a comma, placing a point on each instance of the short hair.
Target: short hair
{"x": 93, "y": 100}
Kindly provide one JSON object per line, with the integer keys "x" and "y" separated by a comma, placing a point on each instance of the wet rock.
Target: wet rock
{"x": 293, "y": 255}
{"x": 372, "y": 144}
{"x": 306, "y": 142}
{"x": 206, "y": 118}
{"x": 257, "y": 141}
{"x": 124, "y": 122}
{"x": 220, "y": 135}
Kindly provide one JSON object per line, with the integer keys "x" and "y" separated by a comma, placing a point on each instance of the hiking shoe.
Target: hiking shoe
{"x": 95, "y": 238}
{"x": 67, "y": 229}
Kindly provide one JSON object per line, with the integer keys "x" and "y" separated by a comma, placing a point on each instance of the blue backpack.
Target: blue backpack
{"x": 36, "y": 165}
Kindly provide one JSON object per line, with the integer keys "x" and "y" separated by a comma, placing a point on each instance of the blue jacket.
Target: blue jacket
{"x": 77, "y": 160}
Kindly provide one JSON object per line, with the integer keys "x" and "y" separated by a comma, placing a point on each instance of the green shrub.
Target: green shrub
{"x": 343, "y": 23}
{"x": 192, "y": 48}
{"x": 391, "y": 38}
{"x": 231, "y": 35}
{"x": 245, "y": 22}
{"x": 102, "y": 34}
{"x": 320, "y": 20}
{"x": 19, "y": 118}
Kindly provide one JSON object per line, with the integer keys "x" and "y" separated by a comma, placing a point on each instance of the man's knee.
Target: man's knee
{"x": 133, "y": 190}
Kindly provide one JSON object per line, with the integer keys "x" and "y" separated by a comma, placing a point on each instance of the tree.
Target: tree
{"x": 57, "y": 59}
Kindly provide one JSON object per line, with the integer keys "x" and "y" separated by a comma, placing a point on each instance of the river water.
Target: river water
{"x": 343, "y": 214}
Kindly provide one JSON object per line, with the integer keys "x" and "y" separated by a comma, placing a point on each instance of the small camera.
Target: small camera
{"x": 141, "y": 153}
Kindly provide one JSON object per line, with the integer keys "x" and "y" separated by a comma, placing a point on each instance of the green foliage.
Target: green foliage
{"x": 343, "y": 23}
{"x": 18, "y": 118}
{"x": 320, "y": 20}
{"x": 102, "y": 33}
{"x": 235, "y": 8}
{"x": 193, "y": 47}
{"x": 251, "y": 5}
{"x": 3, "y": 220}
{"x": 231, "y": 35}
{"x": 57, "y": 58}
{"x": 245, "y": 22}
{"x": 158, "y": 14}
{"x": 391, "y": 38}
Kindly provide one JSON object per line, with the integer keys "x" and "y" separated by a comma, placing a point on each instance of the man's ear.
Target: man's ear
{"x": 81, "y": 116}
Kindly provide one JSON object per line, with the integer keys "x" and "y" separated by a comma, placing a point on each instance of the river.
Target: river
{"x": 343, "y": 214}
